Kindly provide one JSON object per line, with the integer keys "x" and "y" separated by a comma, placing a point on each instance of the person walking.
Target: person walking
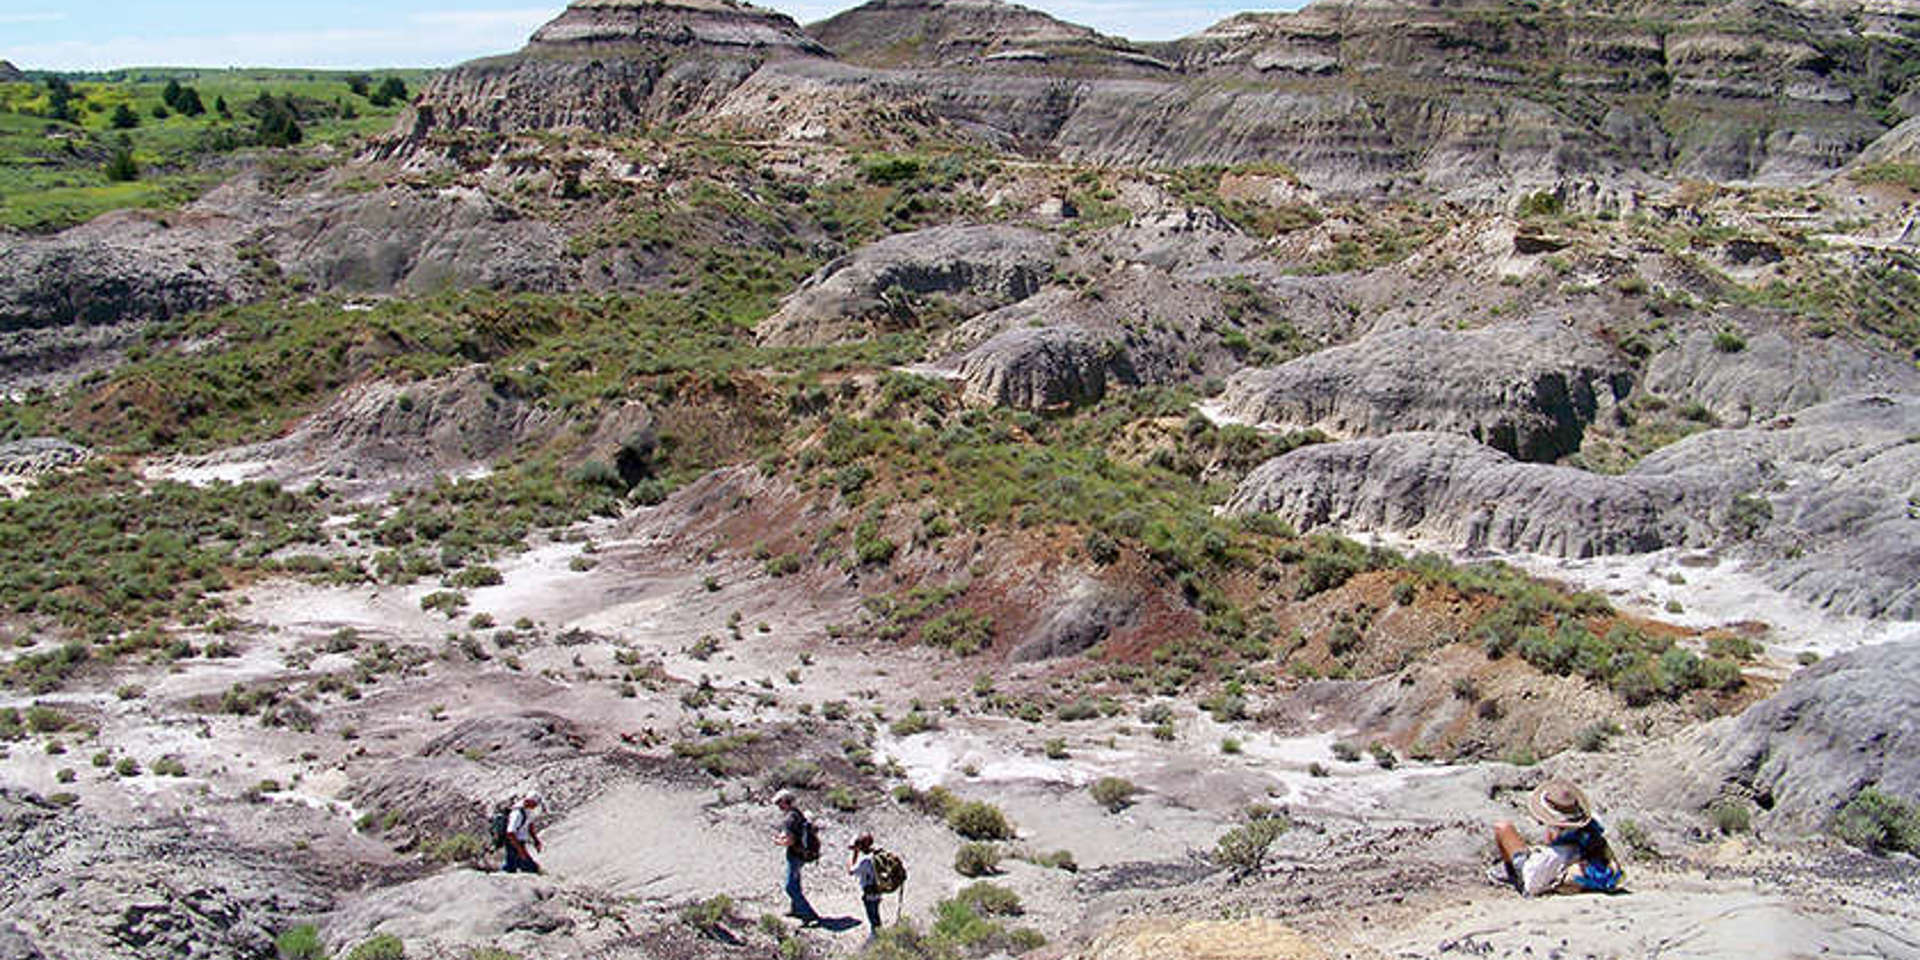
{"x": 521, "y": 833}
{"x": 797, "y": 835}
{"x": 860, "y": 865}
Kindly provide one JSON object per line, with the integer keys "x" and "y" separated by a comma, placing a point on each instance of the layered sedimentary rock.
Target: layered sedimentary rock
{"x": 614, "y": 64}
{"x": 922, "y": 33}
{"x": 1823, "y": 505}
{"x": 1527, "y": 391}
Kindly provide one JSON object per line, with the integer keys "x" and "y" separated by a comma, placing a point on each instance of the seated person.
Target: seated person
{"x": 1576, "y": 854}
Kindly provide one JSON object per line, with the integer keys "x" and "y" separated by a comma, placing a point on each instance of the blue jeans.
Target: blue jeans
{"x": 798, "y": 900}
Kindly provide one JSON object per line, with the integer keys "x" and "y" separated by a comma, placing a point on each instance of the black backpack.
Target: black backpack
{"x": 809, "y": 842}
{"x": 497, "y": 827}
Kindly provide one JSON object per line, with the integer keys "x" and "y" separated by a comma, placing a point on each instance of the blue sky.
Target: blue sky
{"x": 102, "y": 34}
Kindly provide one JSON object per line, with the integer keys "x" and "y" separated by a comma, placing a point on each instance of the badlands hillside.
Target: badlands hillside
{"x": 1177, "y": 495}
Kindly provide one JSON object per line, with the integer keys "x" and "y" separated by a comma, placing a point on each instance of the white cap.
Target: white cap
{"x": 783, "y": 797}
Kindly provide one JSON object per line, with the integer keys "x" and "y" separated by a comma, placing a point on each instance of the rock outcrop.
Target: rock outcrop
{"x": 607, "y": 65}
{"x": 941, "y": 33}
{"x": 1823, "y": 506}
{"x": 10, "y": 73}
{"x": 382, "y": 436}
{"x": 1465, "y": 99}
{"x": 1771, "y": 375}
{"x": 890, "y": 285}
{"x": 128, "y": 266}
{"x": 1848, "y": 723}
{"x": 74, "y": 886}
{"x": 1041, "y": 368}
{"x": 1527, "y": 391}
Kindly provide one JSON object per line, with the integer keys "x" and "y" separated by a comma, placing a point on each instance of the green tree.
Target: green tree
{"x": 60, "y": 100}
{"x": 171, "y": 95}
{"x": 189, "y": 103}
{"x": 390, "y": 91}
{"x": 124, "y": 118}
{"x": 121, "y": 167}
{"x": 277, "y": 123}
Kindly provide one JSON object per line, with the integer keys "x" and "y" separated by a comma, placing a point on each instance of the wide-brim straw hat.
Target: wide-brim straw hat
{"x": 1560, "y": 805}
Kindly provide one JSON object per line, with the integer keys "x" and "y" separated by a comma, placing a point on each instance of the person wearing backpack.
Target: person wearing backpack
{"x": 520, "y": 832}
{"x": 1575, "y": 857}
{"x": 860, "y": 866}
{"x": 803, "y": 847}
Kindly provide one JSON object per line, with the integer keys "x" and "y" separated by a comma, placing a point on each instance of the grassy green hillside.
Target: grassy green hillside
{"x": 54, "y": 163}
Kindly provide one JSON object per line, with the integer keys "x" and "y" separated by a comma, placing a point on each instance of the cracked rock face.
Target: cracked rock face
{"x": 1529, "y": 392}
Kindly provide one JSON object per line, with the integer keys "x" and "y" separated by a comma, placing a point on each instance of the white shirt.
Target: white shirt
{"x": 519, "y": 824}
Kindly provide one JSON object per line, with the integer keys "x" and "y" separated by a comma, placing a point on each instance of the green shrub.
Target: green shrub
{"x": 1056, "y": 748}
{"x": 300, "y": 943}
{"x": 1729, "y": 341}
{"x": 1593, "y": 737}
{"x": 1383, "y": 755}
{"x": 127, "y": 767}
{"x": 1879, "y": 823}
{"x": 979, "y": 820}
{"x": 1244, "y": 849}
{"x": 383, "y": 946}
{"x": 1730, "y": 815}
{"x": 914, "y": 722}
{"x": 990, "y": 900}
{"x": 709, "y": 916}
{"x": 977, "y": 860}
{"x": 1113, "y": 793}
{"x": 1346, "y": 752}
{"x": 455, "y": 848}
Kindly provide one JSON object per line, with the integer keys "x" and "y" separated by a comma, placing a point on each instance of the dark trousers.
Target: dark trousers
{"x": 518, "y": 861}
{"x": 872, "y": 903}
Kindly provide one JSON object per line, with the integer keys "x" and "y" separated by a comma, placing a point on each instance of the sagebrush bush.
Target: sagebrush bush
{"x": 977, "y": 860}
{"x": 979, "y": 820}
{"x": 1113, "y": 793}
{"x": 382, "y": 946}
{"x": 1244, "y": 849}
{"x": 300, "y": 943}
{"x": 1879, "y": 822}
{"x": 991, "y": 900}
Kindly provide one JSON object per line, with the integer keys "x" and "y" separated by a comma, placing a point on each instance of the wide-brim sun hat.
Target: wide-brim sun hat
{"x": 784, "y": 796}
{"x": 1560, "y": 805}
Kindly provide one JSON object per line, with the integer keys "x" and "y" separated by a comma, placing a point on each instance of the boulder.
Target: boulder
{"x": 1527, "y": 391}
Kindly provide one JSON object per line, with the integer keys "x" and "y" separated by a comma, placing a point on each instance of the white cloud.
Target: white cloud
{"x": 11, "y": 19}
